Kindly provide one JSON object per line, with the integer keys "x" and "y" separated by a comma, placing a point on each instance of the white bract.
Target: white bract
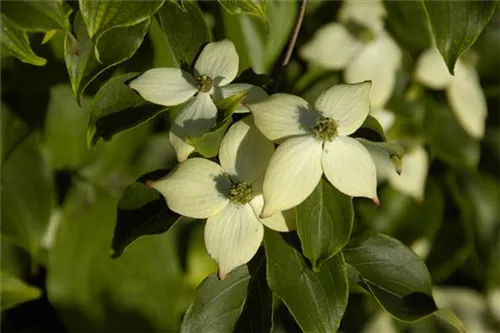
{"x": 214, "y": 70}
{"x": 358, "y": 44}
{"x": 228, "y": 195}
{"x": 414, "y": 167}
{"x": 315, "y": 142}
{"x": 463, "y": 91}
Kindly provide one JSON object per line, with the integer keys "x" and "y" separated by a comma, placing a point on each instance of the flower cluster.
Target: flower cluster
{"x": 251, "y": 185}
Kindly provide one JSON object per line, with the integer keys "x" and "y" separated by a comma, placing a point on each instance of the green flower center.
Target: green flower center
{"x": 360, "y": 31}
{"x": 204, "y": 83}
{"x": 325, "y": 129}
{"x": 240, "y": 193}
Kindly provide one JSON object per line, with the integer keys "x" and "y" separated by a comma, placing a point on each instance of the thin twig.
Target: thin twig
{"x": 291, "y": 45}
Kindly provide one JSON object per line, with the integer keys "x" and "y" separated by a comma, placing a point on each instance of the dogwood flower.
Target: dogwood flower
{"x": 463, "y": 91}
{"x": 214, "y": 70}
{"x": 315, "y": 142}
{"x": 227, "y": 195}
{"x": 413, "y": 174}
{"x": 358, "y": 44}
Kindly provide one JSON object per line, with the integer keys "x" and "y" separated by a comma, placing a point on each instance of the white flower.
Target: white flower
{"x": 359, "y": 45}
{"x": 414, "y": 167}
{"x": 315, "y": 141}
{"x": 214, "y": 70}
{"x": 463, "y": 90}
{"x": 228, "y": 195}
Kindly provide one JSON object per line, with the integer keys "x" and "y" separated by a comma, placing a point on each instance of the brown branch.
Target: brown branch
{"x": 291, "y": 46}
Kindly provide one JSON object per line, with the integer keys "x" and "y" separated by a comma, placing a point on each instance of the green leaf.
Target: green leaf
{"x": 228, "y": 105}
{"x": 317, "y": 300}
{"x": 81, "y": 61}
{"x": 186, "y": 30}
{"x": 13, "y": 131}
{"x": 257, "y": 46}
{"x": 141, "y": 211}
{"x": 394, "y": 151}
{"x": 209, "y": 142}
{"x": 14, "y": 42}
{"x": 408, "y": 24}
{"x": 447, "y": 139}
{"x": 393, "y": 274}
{"x": 448, "y": 316}
{"x": 14, "y": 291}
{"x": 218, "y": 303}
{"x": 324, "y": 223}
{"x": 372, "y": 129}
{"x": 65, "y": 122}
{"x": 257, "y": 313}
{"x": 39, "y": 15}
{"x": 143, "y": 290}
{"x": 457, "y": 24}
{"x": 251, "y": 7}
{"x": 27, "y": 197}
{"x": 117, "y": 107}
{"x": 102, "y": 16}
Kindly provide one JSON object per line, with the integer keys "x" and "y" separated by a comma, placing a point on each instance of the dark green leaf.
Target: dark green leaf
{"x": 372, "y": 129}
{"x": 38, "y": 15}
{"x": 408, "y": 24}
{"x": 218, "y": 303}
{"x": 393, "y": 274}
{"x": 14, "y": 291}
{"x": 14, "y": 42}
{"x": 257, "y": 313}
{"x": 27, "y": 197}
{"x": 324, "y": 223}
{"x": 447, "y": 139}
{"x": 80, "y": 57}
{"x": 13, "y": 131}
{"x": 102, "y": 16}
{"x": 257, "y": 46}
{"x": 117, "y": 107}
{"x": 209, "y": 142}
{"x": 143, "y": 290}
{"x": 141, "y": 211}
{"x": 317, "y": 300}
{"x": 65, "y": 122}
{"x": 186, "y": 30}
{"x": 457, "y": 24}
{"x": 251, "y": 7}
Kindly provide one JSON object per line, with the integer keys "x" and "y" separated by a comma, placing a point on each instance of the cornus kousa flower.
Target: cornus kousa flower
{"x": 315, "y": 141}
{"x": 358, "y": 44}
{"x": 228, "y": 195}
{"x": 214, "y": 70}
{"x": 463, "y": 91}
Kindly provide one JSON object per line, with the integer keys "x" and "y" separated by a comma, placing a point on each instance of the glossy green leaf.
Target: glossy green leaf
{"x": 209, "y": 142}
{"x": 14, "y": 42}
{"x": 324, "y": 223}
{"x": 447, "y": 139}
{"x": 317, "y": 300}
{"x": 141, "y": 211}
{"x": 101, "y": 16}
{"x": 186, "y": 30}
{"x": 457, "y": 24}
{"x": 218, "y": 303}
{"x": 27, "y": 197}
{"x": 407, "y": 23}
{"x": 250, "y": 7}
{"x": 393, "y": 274}
{"x": 257, "y": 46}
{"x": 80, "y": 58}
{"x": 65, "y": 122}
{"x": 257, "y": 313}
{"x": 14, "y": 291}
{"x": 143, "y": 290}
{"x": 117, "y": 107}
{"x": 13, "y": 131}
{"x": 37, "y": 15}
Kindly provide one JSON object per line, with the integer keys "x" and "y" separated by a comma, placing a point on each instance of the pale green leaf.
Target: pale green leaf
{"x": 14, "y": 291}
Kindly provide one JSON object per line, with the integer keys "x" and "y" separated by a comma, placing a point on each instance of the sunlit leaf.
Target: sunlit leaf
{"x": 14, "y": 291}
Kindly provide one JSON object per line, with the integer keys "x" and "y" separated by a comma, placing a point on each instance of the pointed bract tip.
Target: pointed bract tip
{"x": 376, "y": 201}
{"x": 221, "y": 276}
{"x": 399, "y": 171}
{"x": 149, "y": 183}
